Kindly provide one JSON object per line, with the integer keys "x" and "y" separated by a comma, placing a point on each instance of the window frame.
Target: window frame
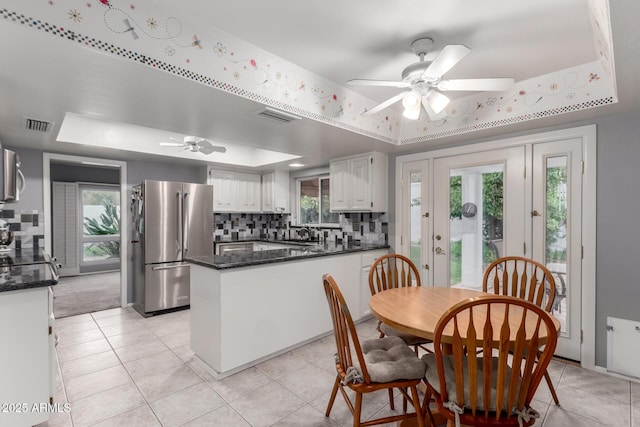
{"x": 319, "y": 178}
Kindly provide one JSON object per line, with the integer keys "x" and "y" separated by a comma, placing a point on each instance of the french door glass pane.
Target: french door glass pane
{"x": 556, "y": 222}
{"x": 476, "y": 222}
{"x": 415, "y": 209}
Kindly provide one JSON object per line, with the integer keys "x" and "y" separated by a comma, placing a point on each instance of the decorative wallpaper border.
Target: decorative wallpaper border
{"x": 144, "y": 32}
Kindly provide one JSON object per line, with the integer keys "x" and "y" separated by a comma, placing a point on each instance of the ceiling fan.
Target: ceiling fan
{"x": 195, "y": 144}
{"x": 425, "y": 81}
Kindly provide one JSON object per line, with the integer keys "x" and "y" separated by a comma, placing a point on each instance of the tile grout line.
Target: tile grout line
{"x": 130, "y": 377}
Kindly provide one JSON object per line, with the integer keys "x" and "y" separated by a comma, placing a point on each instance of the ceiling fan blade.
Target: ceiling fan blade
{"x": 481, "y": 85}
{"x": 386, "y": 103}
{"x": 171, "y": 144}
{"x": 206, "y": 147}
{"x": 367, "y": 82}
{"x": 446, "y": 60}
{"x": 432, "y": 114}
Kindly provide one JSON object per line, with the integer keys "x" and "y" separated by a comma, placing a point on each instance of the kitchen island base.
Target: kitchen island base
{"x": 243, "y": 316}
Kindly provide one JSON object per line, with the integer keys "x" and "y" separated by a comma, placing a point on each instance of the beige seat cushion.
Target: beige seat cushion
{"x": 407, "y": 338}
{"x": 389, "y": 359}
{"x": 432, "y": 378}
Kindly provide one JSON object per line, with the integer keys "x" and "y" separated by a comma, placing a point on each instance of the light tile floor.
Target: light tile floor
{"x": 117, "y": 368}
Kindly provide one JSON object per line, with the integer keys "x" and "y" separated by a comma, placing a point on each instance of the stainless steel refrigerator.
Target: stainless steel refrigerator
{"x": 171, "y": 220}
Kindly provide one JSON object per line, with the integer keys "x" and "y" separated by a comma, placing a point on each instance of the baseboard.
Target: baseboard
{"x": 603, "y": 370}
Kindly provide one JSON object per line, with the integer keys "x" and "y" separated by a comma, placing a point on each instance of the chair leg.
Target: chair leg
{"x": 404, "y": 403}
{"x": 336, "y": 384}
{"x": 391, "y": 398}
{"x": 551, "y": 388}
{"x": 417, "y": 406}
{"x": 358, "y": 410}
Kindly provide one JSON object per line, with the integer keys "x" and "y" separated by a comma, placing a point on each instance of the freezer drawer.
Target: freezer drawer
{"x": 166, "y": 286}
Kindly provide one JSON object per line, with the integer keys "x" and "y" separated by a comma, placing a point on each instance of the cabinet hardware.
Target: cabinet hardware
{"x": 535, "y": 213}
{"x": 426, "y": 214}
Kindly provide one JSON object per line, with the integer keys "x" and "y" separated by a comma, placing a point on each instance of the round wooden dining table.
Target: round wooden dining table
{"x": 416, "y": 310}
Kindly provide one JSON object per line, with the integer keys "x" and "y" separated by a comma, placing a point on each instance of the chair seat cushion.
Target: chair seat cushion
{"x": 431, "y": 376}
{"x": 407, "y": 338}
{"x": 389, "y": 359}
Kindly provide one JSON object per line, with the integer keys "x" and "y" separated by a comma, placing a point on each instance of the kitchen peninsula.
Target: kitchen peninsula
{"x": 249, "y": 307}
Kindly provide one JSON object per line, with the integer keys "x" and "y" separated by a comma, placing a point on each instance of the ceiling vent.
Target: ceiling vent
{"x": 37, "y": 125}
{"x": 277, "y": 115}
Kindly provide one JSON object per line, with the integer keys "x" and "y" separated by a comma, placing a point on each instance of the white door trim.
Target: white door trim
{"x": 46, "y": 195}
{"x": 588, "y": 136}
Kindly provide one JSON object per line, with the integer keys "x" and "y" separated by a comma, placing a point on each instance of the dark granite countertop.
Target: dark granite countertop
{"x": 25, "y": 269}
{"x": 295, "y": 252}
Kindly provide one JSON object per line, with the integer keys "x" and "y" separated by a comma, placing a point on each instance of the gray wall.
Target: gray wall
{"x": 617, "y": 232}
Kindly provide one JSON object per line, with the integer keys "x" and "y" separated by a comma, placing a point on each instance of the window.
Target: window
{"x": 100, "y": 225}
{"x": 313, "y": 201}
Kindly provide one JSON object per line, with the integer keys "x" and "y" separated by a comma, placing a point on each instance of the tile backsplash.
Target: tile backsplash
{"x": 361, "y": 227}
{"x": 27, "y": 227}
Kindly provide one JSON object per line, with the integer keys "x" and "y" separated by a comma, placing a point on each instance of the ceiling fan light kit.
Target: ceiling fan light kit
{"x": 425, "y": 80}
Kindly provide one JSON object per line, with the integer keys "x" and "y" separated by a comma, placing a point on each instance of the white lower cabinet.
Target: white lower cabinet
{"x": 364, "y": 309}
{"x": 27, "y": 357}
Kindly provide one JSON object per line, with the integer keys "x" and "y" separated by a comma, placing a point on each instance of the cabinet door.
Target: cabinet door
{"x": 249, "y": 187}
{"x": 225, "y": 191}
{"x": 360, "y": 175}
{"x": 268, "y": 192}
{"x": 339, "y": 176}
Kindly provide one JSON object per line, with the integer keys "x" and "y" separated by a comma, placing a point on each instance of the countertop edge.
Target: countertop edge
{"x": 250, "y": 263}
{"x": 30, "y": 285}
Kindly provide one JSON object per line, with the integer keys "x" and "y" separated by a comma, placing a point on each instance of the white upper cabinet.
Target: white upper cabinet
{"x": 339, "y": 185}
{"x": 359, "y": 183}
{"x": 225, "y": 190}
{"x": 275, "y": 192}
{"x": 249, "y": 190}
{"x": 235, "y": 191}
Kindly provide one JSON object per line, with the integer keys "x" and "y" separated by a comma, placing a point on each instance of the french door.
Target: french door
{"x": 556, "y": 223}
{"x": 478, "y": 214}
{"x": 522, "y": 200}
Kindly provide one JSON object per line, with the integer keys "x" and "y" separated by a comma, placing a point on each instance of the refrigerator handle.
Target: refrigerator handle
{"x": 185, "y": 213}
{"x": 179, "y": 224}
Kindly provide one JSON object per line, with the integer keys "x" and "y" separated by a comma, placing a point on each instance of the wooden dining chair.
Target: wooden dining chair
{"x": 479, "y": 374}
{"x": 527, "y": 279}
{"x": 370, "y": 365}
{"x": 395, "y": 271}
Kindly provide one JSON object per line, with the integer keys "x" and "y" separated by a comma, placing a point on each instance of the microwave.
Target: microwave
{"x": 11, "y": 178}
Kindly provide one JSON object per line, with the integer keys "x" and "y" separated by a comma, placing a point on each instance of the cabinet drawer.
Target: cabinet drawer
{"x": 368, "y": 259}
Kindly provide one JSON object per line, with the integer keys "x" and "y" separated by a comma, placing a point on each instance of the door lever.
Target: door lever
{"x": 440, "y": 251}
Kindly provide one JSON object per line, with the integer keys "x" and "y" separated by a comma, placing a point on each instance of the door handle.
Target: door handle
{"x": 169, "y": 267}
{"x": 185, "y": 218}
{"x": 440, "y": 251}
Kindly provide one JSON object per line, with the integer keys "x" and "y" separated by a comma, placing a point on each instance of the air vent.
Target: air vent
{"x": 37, "y": 125}
{"x": 277, "y": 115}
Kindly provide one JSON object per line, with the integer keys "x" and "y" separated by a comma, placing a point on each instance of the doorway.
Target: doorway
{"x": 83, "y": 199}
{"x": 527, "y": 197}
